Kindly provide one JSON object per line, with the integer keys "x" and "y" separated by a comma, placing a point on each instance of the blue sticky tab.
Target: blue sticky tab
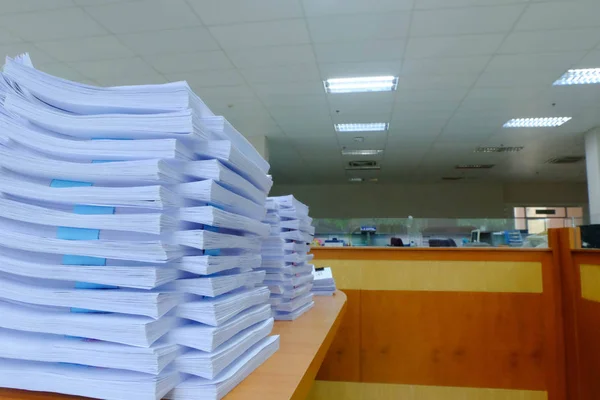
{"x": 70, "y": 233}
{"x": 93, "y": 210}
{"x": 95, "y": 286}
{"x": 67, "y": 233}
{"x": 86, "y": 311}
{"x": 61, "y": 183}
{"x": 70, "y": 259}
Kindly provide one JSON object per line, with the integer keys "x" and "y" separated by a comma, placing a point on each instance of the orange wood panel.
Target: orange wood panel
{"x": 494, "y": 340}
{"x": 426, "y": 253}
{"x": 589, "y": 345}
{"x": 342, "y": 362}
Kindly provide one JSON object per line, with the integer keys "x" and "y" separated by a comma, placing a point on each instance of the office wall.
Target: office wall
{"x": 439, "y": 200}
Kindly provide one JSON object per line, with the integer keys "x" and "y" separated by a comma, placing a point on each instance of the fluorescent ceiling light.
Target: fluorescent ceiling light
{"x": 369, "y": 127}
{"x": 579, "y": 77}
{"x": 361, "y": 84}
{"x": 356, "y": 179}
{"x": 536, "y": 122}
{"x": 361, "y": 152}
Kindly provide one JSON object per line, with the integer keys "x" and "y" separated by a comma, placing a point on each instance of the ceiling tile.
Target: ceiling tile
{"x": 289, "y": 115}
{"x": 95, "y": 2}
{"x": 141, "y": 16}
{"x": 7, "y": 37}
{"x": 86, "y": 49}
{"x": 345, "y": 28}
{"x": 465, "y": 20}
{"x": 432, "y": 4}
{"x": 550, "y": 41}
{"x": 556, "y": 62}
{"x": 315, "y": 106}
{"x": 360, "y": 51}
{"x": 271, "y": 33}
{"x": 564, "y": 15}
{"x": 452, "y": 46}
{"x": 424, "y": 82}
{"x": 312, "y": 128}
{"x": 187, "y": 62}
{"x": 341, "y": 70}
{"x": 442, "y": 66}
{"x": 253, "y": 126}
{"x": 53, "y": 24}
{"x": 289, "y": 89}
{"x": 187, "y": 40}
{"x": 360, "y": 103}
{"x": 19, "y": 6}
{"x": 287, "y": 74}
{"x": 335, "y": 7}
{"x": 591, "y": 60}
{"x": 38, "y": 56}
{"x": 209, "y": 78}
{"x": 451, "y": 94}
{"x": 362, "y": 117}
{"x": 100, "y": 71}
{"x": 511, "y": 79}
{"x": 272, "y": 56}
{"x": 230, "y": 105}
{"x": 234, "y": 11}
{"x": 296, "y": 104}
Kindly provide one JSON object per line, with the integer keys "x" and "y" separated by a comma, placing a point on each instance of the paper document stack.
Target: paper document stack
{"x": 323, "y": 284}
{"x": 131, "y": 227}
{"x": 285, "y": 258}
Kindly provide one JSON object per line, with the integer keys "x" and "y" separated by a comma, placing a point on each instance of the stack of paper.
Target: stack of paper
{"x": 285, "y": 257}
{"x": 323, "y": 284}
{"x": 130, "y": 228}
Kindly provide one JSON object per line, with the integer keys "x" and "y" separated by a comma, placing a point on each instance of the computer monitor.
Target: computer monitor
{"x": 475, "y": 236}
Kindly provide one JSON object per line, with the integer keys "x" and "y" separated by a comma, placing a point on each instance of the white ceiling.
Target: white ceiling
{"x": 465, "y": 67}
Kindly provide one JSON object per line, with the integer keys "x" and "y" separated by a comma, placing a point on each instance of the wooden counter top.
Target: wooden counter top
{"x": 288, "y": 374}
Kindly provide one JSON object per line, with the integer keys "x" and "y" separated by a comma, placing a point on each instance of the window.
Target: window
{"x": 539, "y": 219}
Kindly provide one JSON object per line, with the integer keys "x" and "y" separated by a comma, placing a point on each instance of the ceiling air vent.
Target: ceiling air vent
{"x": 565, "y": 160}
{"x": 362, "y": 165}
{"x": 474, "y": 166}
{"x": 498, "y": 149}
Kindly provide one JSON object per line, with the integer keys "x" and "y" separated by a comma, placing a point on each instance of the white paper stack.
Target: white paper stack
{"x": 323, "y": 284}
{"x": 130, "y": 228}
{"x": 288, "y": 274}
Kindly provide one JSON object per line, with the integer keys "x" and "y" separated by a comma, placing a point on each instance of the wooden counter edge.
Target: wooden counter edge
{"x": 303, "y": 389}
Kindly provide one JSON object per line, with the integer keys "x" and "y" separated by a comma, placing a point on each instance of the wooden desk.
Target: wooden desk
{"x": 288, "y": 374}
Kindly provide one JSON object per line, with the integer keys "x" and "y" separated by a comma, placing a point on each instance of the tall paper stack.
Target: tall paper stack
{"x": 130, "y": 225}
{"x": 285, "y": 257}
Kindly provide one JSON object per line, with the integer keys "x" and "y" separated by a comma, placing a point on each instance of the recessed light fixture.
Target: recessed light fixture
{"x": 362, "y": 152}
{"x": 536, "y": 122}
{"x": 361, "y": 84}
{"x": 585, "y": 76}
{"x": 356, "y": 179}
{"x": 359, "y": 139}
{"x": 367, "y": 127}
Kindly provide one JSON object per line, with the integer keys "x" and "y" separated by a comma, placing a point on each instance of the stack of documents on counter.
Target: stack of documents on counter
{"x": 131, "y": 232}
{"x": 288, "y": 274}
{"x": 323, "y": 284}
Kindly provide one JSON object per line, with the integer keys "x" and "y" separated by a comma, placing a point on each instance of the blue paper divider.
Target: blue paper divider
{"x": 70, "y": 233}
